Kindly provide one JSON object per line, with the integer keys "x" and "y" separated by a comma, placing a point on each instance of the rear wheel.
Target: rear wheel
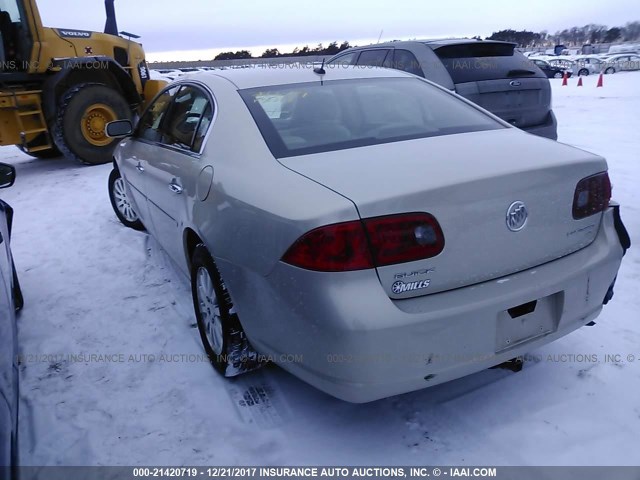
{"x": 121, "y": 203}
{"x": 558, "y": 75}
{"x": 18, "y": 299}
{"x": 610, "y": 70}
{"x": 83, "y": 114}
{"x": 583, "y": 72}
{"x": 221, "y": 333}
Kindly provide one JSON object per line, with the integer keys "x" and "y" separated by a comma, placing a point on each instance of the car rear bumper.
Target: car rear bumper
{"x": 549, "y": 129}
{"x": 342, "y": 334}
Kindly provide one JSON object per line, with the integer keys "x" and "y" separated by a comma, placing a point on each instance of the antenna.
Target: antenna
{"x": 320, "y": 71}
{"x": 380, "y": 37}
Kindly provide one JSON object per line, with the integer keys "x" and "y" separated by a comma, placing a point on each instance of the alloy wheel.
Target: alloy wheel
{"x": 122, "y": 201}
{"x": 209, "y": 309}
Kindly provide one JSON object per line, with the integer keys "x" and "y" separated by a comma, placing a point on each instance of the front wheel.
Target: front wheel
{"x": 610, "y": 70}
{"x": 83, "y": 114}
{"x": 221, "y": 333}
{"x": 583, "y": 72}
{"x": 121, "y": 203}
{"x": 558, "y": 75}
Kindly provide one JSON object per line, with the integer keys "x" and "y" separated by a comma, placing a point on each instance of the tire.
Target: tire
{"x": 121, "y": 203}
{"x": 52, "y": 152}
{"x": 83, "y": 113}
{"x": 222, "y": 335}
{"x": 558, "y": 75}
{"x": 610, "y": 71}
{"x": 18, "y": 299}
{"x": 583, "y": 72}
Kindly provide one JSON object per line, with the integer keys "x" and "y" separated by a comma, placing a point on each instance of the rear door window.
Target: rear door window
{"x": 472, "y": 62}
{"x": 345, "y": 60}
{"x": 406, "y": 61}
{"x": 373, "y": 58}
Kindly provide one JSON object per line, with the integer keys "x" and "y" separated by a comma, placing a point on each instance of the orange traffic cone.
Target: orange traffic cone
{"x": 600, "y": 81}
{"x": 564, "y": 79}
{"x": 579, "y": 81}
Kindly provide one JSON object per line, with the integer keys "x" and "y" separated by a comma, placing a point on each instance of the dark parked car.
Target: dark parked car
{"x": 491, "y": 74}
{"x": 10, "y": 302}
{"x": 551, "y": 71}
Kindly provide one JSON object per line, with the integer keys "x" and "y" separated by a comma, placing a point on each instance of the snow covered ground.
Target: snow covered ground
{"x": 93, "y": 287}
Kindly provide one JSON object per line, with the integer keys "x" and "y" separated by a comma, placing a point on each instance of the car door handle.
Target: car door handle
{"x": 175, "y": 188}
{"x": 140, "y": 168}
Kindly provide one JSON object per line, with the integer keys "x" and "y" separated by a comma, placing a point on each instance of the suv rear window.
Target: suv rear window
{"x": 307, "y": 118}
{"x": 471, "y": 62}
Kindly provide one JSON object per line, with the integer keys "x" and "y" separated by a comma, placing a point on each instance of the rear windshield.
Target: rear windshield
{"x": 471, "y": 62}
{"x": 306, "y": 118}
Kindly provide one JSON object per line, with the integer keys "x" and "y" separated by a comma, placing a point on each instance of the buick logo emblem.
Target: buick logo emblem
{"x": 517, "y": 216}
{"x": 515, "y": 83}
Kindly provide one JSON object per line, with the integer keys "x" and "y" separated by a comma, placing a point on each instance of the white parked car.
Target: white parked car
{"x": 368, "y": 230}
{"x": 622, "y": 63}
{"x": 587, "y": 65}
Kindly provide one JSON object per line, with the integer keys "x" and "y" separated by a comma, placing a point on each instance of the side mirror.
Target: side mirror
{"x": 119, "y": 129}
{"x": 7, "y": 175}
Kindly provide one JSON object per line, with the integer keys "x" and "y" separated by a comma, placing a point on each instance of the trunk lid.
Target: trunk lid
{"x": 468, "y": 182}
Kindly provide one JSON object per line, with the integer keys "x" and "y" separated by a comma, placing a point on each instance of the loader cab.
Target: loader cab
{"x": 15, "y": 38}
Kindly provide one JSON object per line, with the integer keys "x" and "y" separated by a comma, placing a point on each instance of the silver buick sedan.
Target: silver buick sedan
{"x": 367, "y": 230}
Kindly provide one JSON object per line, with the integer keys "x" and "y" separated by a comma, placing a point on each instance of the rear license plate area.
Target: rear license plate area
{"x": 528, "y": 321}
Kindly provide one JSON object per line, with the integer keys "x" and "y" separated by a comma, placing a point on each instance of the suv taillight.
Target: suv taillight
{"x": 592, "y": 195}
{"x": 370, "y": 243}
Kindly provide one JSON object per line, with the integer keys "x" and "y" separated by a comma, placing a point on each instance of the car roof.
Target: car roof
{"x": 283, "y": 75}
{"x": 462, "y": 41}
{"x": 433, "y": 43}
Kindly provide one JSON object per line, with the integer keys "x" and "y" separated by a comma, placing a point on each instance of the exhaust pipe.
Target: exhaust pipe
{"x": 111, "y": 27}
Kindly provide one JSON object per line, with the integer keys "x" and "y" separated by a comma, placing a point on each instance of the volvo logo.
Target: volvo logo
{"x": 515, "y": 83}
{"x": 517, "y": 216}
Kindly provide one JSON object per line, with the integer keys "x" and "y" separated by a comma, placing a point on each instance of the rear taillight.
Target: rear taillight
{"x": 404, "y": 238}
{"x": 592, "y": 195}
{"x": 334, "y": 248}
{"x": 373, "y": 242}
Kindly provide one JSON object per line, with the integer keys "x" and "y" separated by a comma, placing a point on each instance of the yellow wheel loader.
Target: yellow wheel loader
{"x": 60, "y": 87}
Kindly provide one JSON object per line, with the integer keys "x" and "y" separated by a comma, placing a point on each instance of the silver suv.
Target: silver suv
{"x": 492, "y": 74}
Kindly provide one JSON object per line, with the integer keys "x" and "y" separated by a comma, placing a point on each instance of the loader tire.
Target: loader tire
{"x": 83, "y": 114}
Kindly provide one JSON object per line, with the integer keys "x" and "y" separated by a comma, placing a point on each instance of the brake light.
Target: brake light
{"x": 373, "y": 242}
{"x": 404, "y": 238}
{"x": 335, "y": 248}
{"x": 592, "y": 195}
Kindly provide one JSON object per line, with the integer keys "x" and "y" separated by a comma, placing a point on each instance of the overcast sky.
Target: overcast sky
{"x": 197, "y": 29}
